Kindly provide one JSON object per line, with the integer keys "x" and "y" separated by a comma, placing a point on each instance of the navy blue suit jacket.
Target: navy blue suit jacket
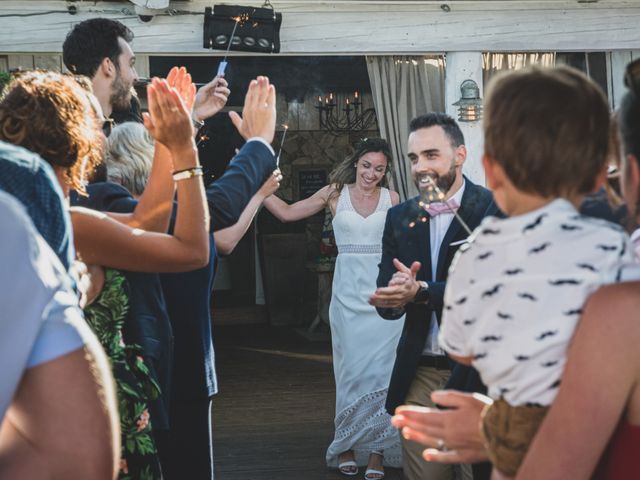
{"x": 412, "y": 243}
{"x": 187, "y": 295}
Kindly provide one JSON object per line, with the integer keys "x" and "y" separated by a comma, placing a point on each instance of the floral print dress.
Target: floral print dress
{"x": 135, "y": 388}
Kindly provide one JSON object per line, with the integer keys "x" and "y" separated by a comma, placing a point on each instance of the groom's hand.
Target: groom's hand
{"x": 402, "y": 287}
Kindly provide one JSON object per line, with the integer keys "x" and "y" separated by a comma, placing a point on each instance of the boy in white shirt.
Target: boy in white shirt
{"x": 515, "y": 293}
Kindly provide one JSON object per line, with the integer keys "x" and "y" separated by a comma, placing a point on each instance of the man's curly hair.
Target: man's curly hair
{"x": 50, "y": 114}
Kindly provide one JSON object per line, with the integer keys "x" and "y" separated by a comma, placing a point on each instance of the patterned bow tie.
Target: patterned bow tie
{"x": 436, "y": 208}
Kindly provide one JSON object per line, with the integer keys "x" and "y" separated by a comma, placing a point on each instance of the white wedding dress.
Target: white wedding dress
{"x": 364, "y": 344}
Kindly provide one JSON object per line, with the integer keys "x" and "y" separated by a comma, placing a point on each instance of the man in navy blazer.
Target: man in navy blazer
{"x": 187, "y": 298}
{"x": 421, "y": 236}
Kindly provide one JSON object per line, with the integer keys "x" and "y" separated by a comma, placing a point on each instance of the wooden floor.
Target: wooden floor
{"x": 273, "y": 417}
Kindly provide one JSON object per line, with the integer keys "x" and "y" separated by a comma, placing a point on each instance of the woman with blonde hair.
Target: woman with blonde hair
{"x": 129, "y": 156}
{"x": 363, "y": 343}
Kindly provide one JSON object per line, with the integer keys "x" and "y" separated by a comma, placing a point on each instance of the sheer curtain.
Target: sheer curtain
{"x": 493, "y": 63}
{"x": 404, "y": 87}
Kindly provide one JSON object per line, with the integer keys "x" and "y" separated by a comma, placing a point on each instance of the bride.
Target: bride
{"x": 363, "y": 343}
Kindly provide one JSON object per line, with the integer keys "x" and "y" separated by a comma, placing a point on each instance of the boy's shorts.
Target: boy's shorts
{"x": 508, "y": 431}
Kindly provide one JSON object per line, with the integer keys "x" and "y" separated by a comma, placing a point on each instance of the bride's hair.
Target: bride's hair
{"x": 345, "y": 172}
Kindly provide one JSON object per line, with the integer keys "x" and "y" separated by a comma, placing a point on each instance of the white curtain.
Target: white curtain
{"x": 493, "y": 63}
{"x": 404, "y": 87}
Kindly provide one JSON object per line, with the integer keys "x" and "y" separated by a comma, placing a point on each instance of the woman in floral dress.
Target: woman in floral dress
{"x": 134, "y": 386}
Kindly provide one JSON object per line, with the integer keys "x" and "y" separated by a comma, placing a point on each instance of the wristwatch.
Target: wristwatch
{"x": 422, "y": 295}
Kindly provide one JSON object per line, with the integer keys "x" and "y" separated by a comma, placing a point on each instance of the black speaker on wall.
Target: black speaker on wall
{"x": 256, "y": 29}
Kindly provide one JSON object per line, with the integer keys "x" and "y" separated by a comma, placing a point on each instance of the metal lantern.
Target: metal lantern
{"x": 470, "y": 103}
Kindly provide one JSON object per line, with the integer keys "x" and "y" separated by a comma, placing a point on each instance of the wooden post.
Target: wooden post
{"x": 460, "y": 67}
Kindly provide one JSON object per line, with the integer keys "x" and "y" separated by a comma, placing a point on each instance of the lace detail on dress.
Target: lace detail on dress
{"x": 365, "y": 426}
{"x": 360, "y": 249}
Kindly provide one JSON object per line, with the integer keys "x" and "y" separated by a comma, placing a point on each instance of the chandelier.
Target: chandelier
{"x": 339, "y": 118}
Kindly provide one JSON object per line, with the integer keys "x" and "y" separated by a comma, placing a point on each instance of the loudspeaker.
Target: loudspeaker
{"x": 258, "y": 29}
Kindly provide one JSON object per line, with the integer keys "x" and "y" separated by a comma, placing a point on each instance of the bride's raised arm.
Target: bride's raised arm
{"x": 301, "y": 209}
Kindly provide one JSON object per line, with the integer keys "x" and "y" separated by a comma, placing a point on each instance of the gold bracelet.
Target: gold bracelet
{"x": 187, "y": 173}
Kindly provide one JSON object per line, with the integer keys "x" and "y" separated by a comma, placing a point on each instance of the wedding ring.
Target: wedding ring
{"x": 440, "y": 444}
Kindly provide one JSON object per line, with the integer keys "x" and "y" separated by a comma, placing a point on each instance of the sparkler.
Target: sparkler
{"x": 284, "y": 134}
{"x": 203, "y": 138}
{"x": 223, "y": 64}
{"x": 434, "y": 194}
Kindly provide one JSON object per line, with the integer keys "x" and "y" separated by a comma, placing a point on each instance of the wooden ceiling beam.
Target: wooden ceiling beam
{"x": 351, "y": 27}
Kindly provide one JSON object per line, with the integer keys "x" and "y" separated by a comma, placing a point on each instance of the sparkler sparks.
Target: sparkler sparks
{"x": 433, "y": 195}
{"x": 203, "y": 138}
{"x": 233, "y": 32}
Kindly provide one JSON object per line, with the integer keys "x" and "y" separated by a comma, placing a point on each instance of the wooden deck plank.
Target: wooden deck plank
{"x": 273, "y": 417}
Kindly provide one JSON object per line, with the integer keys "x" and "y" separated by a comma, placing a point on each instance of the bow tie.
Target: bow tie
{"x": 436, "y": 208}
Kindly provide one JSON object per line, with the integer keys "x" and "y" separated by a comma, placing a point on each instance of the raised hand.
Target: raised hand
{"x": 271, "y": 184}
{"x": 259, "y": 111}
{"x": 211, "y": 98}
{"x": 168, "y": 120}
{"x": 179, "y": 79}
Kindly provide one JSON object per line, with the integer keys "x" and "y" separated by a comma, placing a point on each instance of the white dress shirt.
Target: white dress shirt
{"x": 437, "y": 230}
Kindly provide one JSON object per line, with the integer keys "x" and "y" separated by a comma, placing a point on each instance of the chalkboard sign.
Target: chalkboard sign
{"x": 309, "y": 180}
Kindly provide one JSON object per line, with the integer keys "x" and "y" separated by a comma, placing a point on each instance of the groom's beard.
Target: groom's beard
{"x": 443, "y": 182}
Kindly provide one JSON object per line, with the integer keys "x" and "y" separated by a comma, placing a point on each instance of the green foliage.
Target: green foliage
{"x": 4, "y": 80}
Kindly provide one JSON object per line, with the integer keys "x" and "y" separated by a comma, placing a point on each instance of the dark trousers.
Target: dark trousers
{"x": 186, "y": 451}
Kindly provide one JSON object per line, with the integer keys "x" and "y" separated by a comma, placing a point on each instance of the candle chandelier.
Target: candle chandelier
{"x": 340, "y": 117}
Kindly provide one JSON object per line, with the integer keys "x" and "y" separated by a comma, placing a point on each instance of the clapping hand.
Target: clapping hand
{"x": 452, "y": 435}
{"x": 169, "y": 120}
{"x": 259, "y": 111}
{"x": 179, "y": 79}
{"x": 401, "y": 289}
{"x": 211, "y": 98}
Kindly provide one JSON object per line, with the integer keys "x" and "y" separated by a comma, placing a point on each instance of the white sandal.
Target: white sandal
{"x": 368, "y": 475}
{"x": 342, "y": 467}
{"x": 374, "y": 473}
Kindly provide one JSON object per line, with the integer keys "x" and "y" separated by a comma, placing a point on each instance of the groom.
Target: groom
{"x": 418, "y": 245}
